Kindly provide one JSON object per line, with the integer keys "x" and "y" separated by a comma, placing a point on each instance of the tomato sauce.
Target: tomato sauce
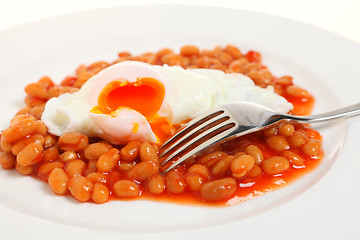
{"x": 249, "y": 188}
{"x": 80, "y": 174}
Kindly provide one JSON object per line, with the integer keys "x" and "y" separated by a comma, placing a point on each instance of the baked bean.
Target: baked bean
{"x": 36, "y": 137}
{"x": 97, "y": 65}
{"x": 14, "y": 121}
{"x": 196, "y": 176}
{"x": 81, "y": 188}
{"x": 19, "y": 130}
{"x": 36, "y": 90}
{"x": 294, "y": 158}
{"x": 279, "y": 90}
{"x": 68, "y": 156}
{"x": 19, "y": 145}
{"x": 255, "y": 152}
{"x": 277, "y": 143}
{"x": 7, "y": 160}
{"x": 219, "y": 189}
{"x": 222, "y": 166}
{"x": 59, "y": 90}
{"x": 155, "y": 184}
{"x": 24, "y": 170}
{"x": 143, "y": 170}
{"x": 171, "y": 59}
{"x": 312, "y": 134}
{"x": 286, "y": 129}
{"x": 51, "y": 154}
{"x": 50, "y": 141}
{"x": 202, "y": 62}
{"x": 175, "y": 182}
{"x": 297, "y": 91}
{"x": 266, "y": 74}
{"x": 5, "y": 145}
{"x": 251, "y": 66}
{"x": 210, "y": 159}
{"x": 31, "y": 101}
{"x": 31, "y": 154}
{"x": 90, "y": 167}
{"x": 100, "y": 193}
{"x": 148, "y": 153}
{"x": 199, "y": 170}
{"x": 255, "y": 172}
{"x": 218, "y": 50}
{"x": 284, "y": 80}
{"x": 239, "y": 154}
{"x": 236, "y": 66}
{"x": 36, "y": 111}
{"x": 270, "y": 131}
{"x": 75, "y": 168}
{"x": 253, "y": 56}
{"x": 156, "y": 147}
{"x": 233, "y": 51}
{"x": 259, "y": 79}
{"x": 164, "y": 51}
{"x": 108, "y": 160}
{"x": 126, "y": 188}
{"x": 297, "y": 139}
{"x": 23, "y": 111}
{"x": 41, "y": 128}
{"x": 189, "y": 50}
{"x": 98, "y": 177}
{"x": 241, "y": 165}
{"x": 226, "y": 58}
{"x": 131, "y": 151}
{"x": 125, "y": 166}
{"x": 73, "y": 141}
{"x": 82, "y": 78}
{"x": 70, "y": 80}
{"x": 185, "y": 61}
{"x": 45, "y": 169}
{"x": 312, "y": 148}
{"x": 95, "y": 150}
{"x": 275, "y": 165}
{"x": 46, "y": 82}
{"x": 58, "y": 181}
{"x": 193, "y": 181}
{"x": 206, "y": 52}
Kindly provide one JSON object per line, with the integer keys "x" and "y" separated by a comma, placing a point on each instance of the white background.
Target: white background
{"x": 338, "y": 16}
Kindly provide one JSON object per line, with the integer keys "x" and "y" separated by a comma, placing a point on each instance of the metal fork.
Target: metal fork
{"x": 230, "y": 121}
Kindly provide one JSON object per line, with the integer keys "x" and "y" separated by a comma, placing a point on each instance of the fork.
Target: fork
{"x": 230, "y": 121}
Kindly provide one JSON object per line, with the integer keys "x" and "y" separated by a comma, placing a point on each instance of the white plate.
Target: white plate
{"x": 321, "y": 62}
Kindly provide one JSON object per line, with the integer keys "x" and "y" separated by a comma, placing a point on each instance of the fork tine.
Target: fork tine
{"x": 190, "y": 125}
{"x": 218, "y": 138}
{"x": 195, "y": 139}
{"x": 191, "y": 130}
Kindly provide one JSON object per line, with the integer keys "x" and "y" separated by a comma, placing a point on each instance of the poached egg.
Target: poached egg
{"x": 137, "y": 101}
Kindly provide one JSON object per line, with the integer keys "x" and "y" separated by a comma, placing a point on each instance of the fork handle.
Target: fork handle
{"x": 342, "y": 112}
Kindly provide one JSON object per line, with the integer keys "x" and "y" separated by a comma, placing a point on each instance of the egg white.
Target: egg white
{"x": 188, "y": 93}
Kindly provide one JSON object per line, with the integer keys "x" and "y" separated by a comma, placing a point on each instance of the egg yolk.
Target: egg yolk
{"x": 144, "y": 96}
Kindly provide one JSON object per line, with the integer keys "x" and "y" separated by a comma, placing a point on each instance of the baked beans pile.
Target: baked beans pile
{"x": 91, "y": 169}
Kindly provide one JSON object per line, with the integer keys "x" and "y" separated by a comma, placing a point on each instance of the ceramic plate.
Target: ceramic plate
{"x": 319, "y": 61}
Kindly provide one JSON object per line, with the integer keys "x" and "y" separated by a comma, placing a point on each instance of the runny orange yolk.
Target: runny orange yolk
{"x": 144, "y": 96}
